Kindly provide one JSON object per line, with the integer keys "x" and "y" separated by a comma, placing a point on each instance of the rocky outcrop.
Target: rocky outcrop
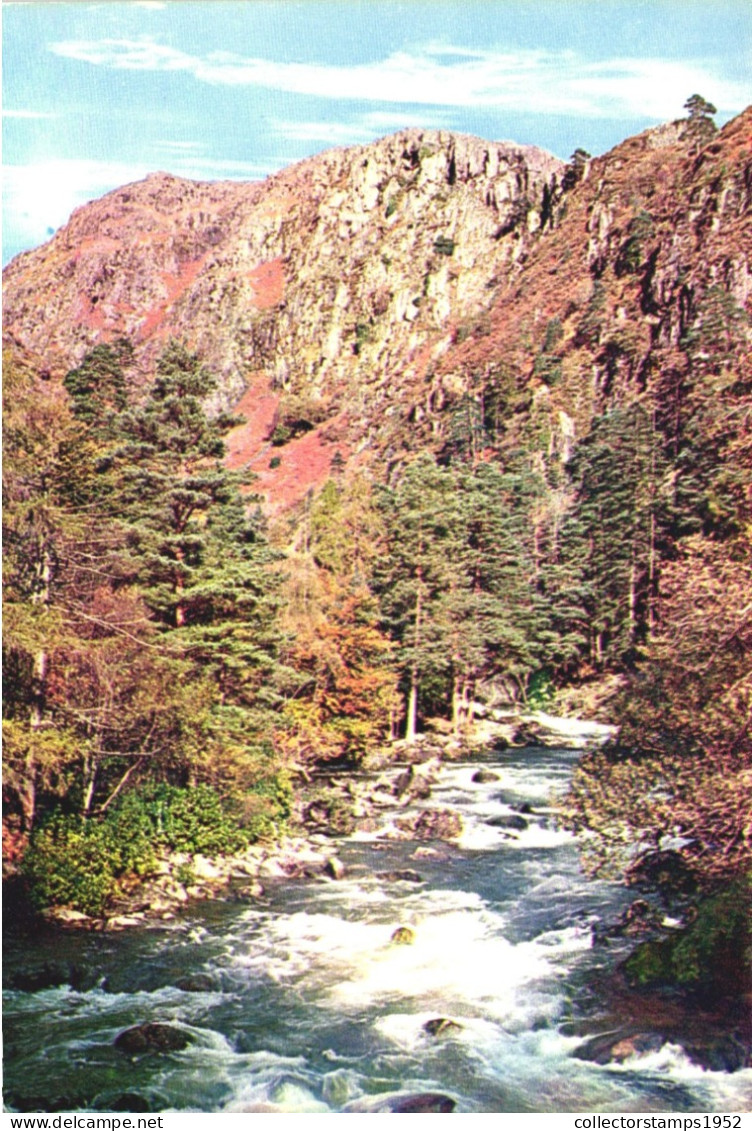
{"x": 339, "y": 279}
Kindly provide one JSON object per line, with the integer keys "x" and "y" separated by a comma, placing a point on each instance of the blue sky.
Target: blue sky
{"x": 96, "y": 95}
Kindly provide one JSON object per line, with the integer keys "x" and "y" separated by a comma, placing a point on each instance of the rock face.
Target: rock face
{"x": 376, "y": 287}
{"x": 326, "y": 279}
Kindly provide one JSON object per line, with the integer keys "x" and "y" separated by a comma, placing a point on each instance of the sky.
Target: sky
{"x": 96, "y": 95}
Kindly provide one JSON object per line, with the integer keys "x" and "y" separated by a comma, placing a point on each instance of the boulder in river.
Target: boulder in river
{"x": 508, "y": 821}
{"x": 617, "y": 1046}
{"x": 484, "y": 776}
{"x": 417, "y": 1103}
{"x": 442, "y": 1027}
{"x": 334, "y": 868}
{"x": 404, "y": 875}
{"x": 403, "y": 936}
{"x": 432, "y": 824}
{"x": 152, "y": 1036}
{"x": 196, "y": 984}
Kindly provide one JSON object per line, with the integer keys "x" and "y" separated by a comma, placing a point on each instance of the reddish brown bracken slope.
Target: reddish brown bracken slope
{"x": 386, "y": 281}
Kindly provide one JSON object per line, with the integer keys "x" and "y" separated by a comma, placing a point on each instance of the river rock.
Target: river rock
{"x": 69, "y": 917}
{"x": 508, "y": 821}
{"x": 152, "y": 1036}
{"x": 417, "y": 1103}
{"x": 442, "y": 1027}
{"x": 403, "y": 936}
{"x": 128, "y": 1101}
{"x": 41, "y": 978}
{"x": 404, "y": 875}
{"x": 205, "y": 869}
{"x": 432, "y": 824}
{"x": 483, "y": 776}
{"x": 334, "y": 868}
{"x": 120, "y": 922}
{"x": 617, "y": 1046}
{"x": 196, "y": 984}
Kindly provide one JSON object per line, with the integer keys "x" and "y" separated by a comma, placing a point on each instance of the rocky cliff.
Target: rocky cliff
{"x": 374, "y": 288}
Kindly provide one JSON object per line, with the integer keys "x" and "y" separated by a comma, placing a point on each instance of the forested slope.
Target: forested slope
{"x": 495, "y": 433}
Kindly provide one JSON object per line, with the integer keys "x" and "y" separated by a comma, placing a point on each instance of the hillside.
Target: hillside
{"x": 499, "y": 411}
{"x": 338, "y": 279}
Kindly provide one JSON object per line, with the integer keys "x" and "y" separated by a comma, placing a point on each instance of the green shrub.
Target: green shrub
{"x": 189, "y": 820}
{"x": 275, "y": 461}
{"x": 444, "y": 245}
{"x": 76, "y": 863}
{"x": 711, "y": 955}
{"x": 70, "y": 863}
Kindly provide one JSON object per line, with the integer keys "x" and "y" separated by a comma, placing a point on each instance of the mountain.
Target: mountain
{"x": 338, "y": 279}
{"x": 358, "y": 296}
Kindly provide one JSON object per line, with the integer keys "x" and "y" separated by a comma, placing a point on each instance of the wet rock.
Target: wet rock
{"x": 128, "y": 1101}
{"x": 414, "y": 784}
{"x": 334, "y": 868}
{"x": 405, "y": 875}
{"x": 196, "y": 984}
{"x": 483, "y": 776}
{"x": 418, "y": 1103}
{"x": 41, "y": 978}
{"x": 428, "y": 852}
{"x": 508, "y": 821}
{"x": 617, "y": 1046}
{"x": 432, "y": 824}
{"x": 527, "y": 735}
{"x": 403, "y": 936}
{"x": 442, "y": 1027}
{"x": 721, "y": 1052}
{"x": 152, "y": 1036}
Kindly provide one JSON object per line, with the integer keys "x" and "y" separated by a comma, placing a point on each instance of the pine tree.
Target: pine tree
{"x": 417, "y": 570}
{"x": 201, "y": 565}
{"x": 620, "y": 523}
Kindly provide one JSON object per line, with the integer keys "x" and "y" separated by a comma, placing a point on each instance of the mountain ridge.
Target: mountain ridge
{"x": 380, "y": 284}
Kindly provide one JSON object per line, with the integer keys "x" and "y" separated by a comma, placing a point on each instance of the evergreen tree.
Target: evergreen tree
{"x": 619, "y": 526}
{"x": 418, "y": 569}
{"x": 97, "y": 387}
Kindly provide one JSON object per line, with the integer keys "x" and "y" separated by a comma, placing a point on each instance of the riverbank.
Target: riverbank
{"x": 469, "y": 966}
{"x": 331, "y": 805}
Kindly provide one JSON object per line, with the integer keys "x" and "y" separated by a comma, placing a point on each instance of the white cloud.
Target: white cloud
{"x": 39, "y": 197}
{"x": 533, "y": 81}
{"x": 30, "y": 114}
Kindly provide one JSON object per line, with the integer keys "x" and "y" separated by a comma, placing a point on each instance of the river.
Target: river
{"x": 305, "y": 1003}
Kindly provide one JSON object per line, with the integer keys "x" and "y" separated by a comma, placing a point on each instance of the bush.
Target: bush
{"x": 711, "y": 955}
{"x": 76, "y": 863}
{"x": 71, "y": 863}
{"x": 444, "y": 245}
{"x": 188, "y": 820}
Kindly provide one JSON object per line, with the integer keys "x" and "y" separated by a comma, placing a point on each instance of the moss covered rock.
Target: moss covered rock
{"x": 713, "y": 955}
